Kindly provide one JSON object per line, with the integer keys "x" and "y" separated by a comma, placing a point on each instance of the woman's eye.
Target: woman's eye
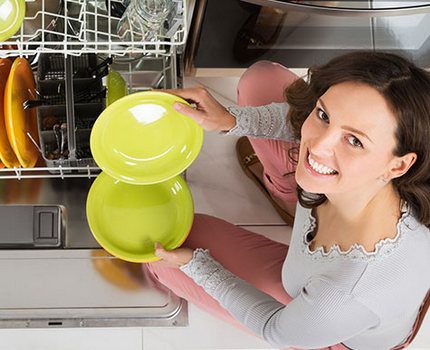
{"x": 322, "y": 115}
{"x": 354, "y": 141}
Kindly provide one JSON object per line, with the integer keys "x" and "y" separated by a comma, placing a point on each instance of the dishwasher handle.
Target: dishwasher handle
{"x": 323, "y": 8}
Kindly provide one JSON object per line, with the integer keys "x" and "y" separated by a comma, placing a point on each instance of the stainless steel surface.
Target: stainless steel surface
{"x": 198, "y": 12}
{"x": 347, "y": 8}
{"x": 298, "y": 39}
{"x": 70, "y": 193}
{"x": 76, "y": 284}
{"x": 31, "y": 226}
{"x": 81, "y": 288}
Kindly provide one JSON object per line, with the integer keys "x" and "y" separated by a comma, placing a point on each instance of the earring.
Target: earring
{"x": 384, "y": 178}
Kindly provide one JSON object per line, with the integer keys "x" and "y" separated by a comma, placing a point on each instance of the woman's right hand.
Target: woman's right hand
{"x": 209, "y": 113}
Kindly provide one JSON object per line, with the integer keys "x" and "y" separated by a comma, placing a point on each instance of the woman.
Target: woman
{"x": 355, "y": 272}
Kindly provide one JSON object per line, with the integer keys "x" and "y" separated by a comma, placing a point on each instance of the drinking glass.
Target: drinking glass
{"x": 143, "y": 20}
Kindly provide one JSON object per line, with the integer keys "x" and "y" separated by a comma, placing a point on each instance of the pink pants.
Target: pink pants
{"x": 252, "y": 257}
{"x": 264, "y": 83}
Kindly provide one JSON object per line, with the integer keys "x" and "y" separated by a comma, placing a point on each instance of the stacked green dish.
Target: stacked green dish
{"x": 127, "y": 219}
{"x": 142, "y": 145}
{"x": 116, "y": 87}
{"x": 140, "y": 139}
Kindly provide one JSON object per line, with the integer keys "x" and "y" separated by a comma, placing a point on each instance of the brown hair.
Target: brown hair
{"x": 405, "y": 87}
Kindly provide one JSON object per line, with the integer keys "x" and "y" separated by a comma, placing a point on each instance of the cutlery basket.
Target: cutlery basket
{"x": 72, "y": 96}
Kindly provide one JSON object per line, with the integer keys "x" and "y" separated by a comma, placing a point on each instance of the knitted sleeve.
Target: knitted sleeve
{"x": 320, "y": 316}
{"x": 264, "y": 122}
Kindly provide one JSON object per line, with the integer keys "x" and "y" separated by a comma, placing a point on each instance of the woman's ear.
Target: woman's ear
{"x": 402, "y": 164}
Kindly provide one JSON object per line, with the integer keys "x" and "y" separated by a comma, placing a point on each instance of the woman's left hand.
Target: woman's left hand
{"x": 173, "y": 258}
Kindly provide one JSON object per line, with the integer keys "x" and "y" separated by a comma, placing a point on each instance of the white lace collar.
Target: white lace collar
{"x": 383, "y": 248}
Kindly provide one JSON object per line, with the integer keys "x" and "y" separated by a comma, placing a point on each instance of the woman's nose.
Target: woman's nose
{"x": 325, "y": 143}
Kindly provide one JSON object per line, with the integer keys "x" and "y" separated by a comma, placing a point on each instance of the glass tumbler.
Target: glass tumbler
{"x": 143, "y": 19}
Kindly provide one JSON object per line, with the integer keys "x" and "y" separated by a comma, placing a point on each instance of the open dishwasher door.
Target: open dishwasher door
{"x": 54, "y": 274}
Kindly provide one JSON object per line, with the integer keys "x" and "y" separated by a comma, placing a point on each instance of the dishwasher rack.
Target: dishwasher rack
{"x": 80, "y": 27}
{"x": 143, "y": 74}
{"x": 73, "y": 27}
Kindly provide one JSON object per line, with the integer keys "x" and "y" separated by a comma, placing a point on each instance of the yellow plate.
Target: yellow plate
{"x": 21, "y": 125}
{"x": 126, "y": 220}
{"x": 7, "y": 155}
{"x": 141, "y": 139}
{"x": 12, "y": 15}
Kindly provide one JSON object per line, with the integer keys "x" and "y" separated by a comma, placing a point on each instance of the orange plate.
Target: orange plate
{"x": 20, "y": 87}
{"x": 7, "y": 155}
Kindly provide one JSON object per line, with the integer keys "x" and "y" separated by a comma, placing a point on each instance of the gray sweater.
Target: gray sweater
{"x": 364, "y": 300}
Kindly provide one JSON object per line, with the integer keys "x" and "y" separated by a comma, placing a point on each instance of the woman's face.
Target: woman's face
{"x": 347, "y": 141}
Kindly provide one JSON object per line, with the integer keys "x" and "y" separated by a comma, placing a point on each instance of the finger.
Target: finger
{"x": 163, "y": 263}
{"x": 159, "y": 250}
{"x": 167, "y": 259}
{"x": 169, "y": 256}
{"x": 182, "y": 93}
{"x": 196, "y": 94}
{"x": 194, "y": 114}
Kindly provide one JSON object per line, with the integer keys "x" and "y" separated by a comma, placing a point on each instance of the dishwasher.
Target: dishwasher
{"x": 53, "y": 272}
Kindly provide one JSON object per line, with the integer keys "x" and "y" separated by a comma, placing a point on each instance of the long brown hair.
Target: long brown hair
{"x": 405, "y": 87}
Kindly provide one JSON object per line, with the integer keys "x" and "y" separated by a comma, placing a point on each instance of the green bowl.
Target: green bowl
{"x": 126, "y": 220}
{"x": 141, "y": 139}
{"x": 116, "y": 87}
{"x": 13, "y": 12}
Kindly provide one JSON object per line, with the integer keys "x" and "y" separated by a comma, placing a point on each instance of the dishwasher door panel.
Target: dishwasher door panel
{"x": 76, "y": 283}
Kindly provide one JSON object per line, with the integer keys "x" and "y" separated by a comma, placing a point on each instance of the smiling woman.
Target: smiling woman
{"x": 390, "y": 95}
{"x": 361, "y": 238}
{"x": 337, "y": 152}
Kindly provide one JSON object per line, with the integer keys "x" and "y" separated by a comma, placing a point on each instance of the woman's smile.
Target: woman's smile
{"x": 320, "y": 169}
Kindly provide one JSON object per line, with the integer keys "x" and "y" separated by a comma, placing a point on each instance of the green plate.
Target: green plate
{"x": 127, "y": 219}
{"x": 141, "y": 139}
{"x": 116, "y": 87}
{"x": 13, "y": 12}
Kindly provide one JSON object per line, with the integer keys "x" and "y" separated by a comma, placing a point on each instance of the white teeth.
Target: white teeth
{"x": 320, "y": 168}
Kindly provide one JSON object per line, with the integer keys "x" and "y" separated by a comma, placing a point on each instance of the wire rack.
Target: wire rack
{"x": 141, "y": 74}
{"x": 78, "y": 27}
{"x": 73, "y": 27}
{"x": 49, "y": 172}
